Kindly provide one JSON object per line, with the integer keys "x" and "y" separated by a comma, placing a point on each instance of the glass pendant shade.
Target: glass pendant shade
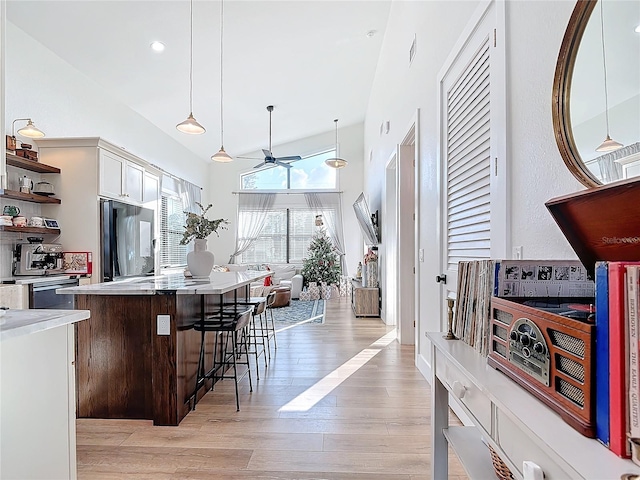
{"x": 608, "y": 145}
{"x": 222, "y": 156}
{"x": 191, "y": 126}
{"x": 336, "y": 162}
{"x": 30, "y": 130}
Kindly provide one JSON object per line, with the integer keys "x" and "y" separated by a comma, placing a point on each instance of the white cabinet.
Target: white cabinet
{"x": 120, "y": 178}
{"x": 504, "y": 415}
{"x": 151, "y": 189}
{"x": 37, "y": 409}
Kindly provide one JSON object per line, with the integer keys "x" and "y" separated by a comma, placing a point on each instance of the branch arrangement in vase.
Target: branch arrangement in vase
{"x": 200, "y": 227}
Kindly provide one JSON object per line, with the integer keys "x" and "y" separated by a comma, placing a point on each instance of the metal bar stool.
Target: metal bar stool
{"x": 270, "y": 330}
{"x": 255, "y": 341}
{"x": 229, "y": 327}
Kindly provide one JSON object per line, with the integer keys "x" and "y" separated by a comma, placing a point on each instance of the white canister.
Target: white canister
{"x": 36, "y": 222}
{"x": 6, "y": 220}
{"x": 19, "y": 221}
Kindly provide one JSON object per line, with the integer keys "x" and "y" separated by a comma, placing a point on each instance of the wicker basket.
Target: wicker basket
{"x": 502, "y": 471}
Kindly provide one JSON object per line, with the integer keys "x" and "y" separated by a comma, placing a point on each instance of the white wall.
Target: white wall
{"x": 224, "y": 178}
{"x": 534, "y": 34}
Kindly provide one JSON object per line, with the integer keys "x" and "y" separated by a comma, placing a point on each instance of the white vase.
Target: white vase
{"x": 200, "y": 261}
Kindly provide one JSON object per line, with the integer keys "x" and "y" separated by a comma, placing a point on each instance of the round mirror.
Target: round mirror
{"x": 596, "y": 92}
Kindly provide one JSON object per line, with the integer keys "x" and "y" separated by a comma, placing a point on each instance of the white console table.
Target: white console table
{"x": 517, "y": 425}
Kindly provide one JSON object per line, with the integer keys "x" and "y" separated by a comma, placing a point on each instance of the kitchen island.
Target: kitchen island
{"x": 137, "y": 355}
{"x": 37, "y": 400}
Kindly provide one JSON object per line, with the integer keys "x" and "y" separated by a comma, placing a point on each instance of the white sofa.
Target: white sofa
{"x": 283, "y": 274}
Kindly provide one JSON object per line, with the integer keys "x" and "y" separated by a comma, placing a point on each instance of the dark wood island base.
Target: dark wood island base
{"x": 124, "y": 369}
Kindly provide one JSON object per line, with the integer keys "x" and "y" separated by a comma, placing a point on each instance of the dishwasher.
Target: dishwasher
{"x": 43, "y": 294}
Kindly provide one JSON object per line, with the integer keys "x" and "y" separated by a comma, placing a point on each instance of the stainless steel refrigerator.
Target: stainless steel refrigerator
{"x": 128, "y": 243}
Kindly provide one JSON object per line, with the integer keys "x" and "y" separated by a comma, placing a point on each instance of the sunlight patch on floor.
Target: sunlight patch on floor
{"x": 321, "y": 389}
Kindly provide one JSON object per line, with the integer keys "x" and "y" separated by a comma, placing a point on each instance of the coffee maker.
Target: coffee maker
{"x": 38, "y": 259}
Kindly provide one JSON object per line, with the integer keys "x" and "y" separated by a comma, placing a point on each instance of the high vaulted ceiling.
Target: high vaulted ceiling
{"x": 312, "y": 60}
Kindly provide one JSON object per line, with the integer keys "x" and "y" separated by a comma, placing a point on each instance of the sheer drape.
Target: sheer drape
{"x": 252, "y": 214}
{"x": 611, "y": 163}
{"x": 190, "y": 194}
{"x": 330, "y": 206}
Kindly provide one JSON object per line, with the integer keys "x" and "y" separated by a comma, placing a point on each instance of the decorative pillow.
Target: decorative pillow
{"x": 220, "y": 268}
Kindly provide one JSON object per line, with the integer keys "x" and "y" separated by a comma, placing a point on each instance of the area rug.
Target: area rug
{"x": 299, "y": 312}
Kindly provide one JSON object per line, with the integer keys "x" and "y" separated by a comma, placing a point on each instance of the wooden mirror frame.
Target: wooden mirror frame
{"x": 562, "y": 91}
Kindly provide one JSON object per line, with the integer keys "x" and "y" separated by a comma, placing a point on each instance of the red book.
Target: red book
{"x": 618, "y": 360}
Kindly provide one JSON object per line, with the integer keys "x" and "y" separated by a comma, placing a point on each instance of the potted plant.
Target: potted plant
{"x": 198, "y": 227}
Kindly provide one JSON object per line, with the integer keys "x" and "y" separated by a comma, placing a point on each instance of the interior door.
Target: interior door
{"x": 471, "y": 116}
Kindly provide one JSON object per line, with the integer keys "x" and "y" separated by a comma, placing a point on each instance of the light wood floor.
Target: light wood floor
{"x": 372, "y": 421}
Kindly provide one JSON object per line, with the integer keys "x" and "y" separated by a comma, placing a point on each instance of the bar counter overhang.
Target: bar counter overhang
{"x": 124, "y": 368}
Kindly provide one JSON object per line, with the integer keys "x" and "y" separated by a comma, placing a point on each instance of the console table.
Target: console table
{"x": 365, "y": 301}
{"x": 516, "y": 425}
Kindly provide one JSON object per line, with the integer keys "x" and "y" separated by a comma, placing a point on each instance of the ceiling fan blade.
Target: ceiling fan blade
{"x": 282, "y": 164}
{"x": 267, "y": 153}
{"x": 250, "y": 158}
{"x": 291, "y": 158}
{"x": 260, "y": 165}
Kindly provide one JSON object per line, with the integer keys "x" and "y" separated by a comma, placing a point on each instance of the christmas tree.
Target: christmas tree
{"x": 322, "y": 264}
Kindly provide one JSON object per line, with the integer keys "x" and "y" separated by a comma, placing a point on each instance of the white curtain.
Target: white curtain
{"x": 329, "y": 205}
{"x": 252, "y": 215}
{"x": 190, "y": 194}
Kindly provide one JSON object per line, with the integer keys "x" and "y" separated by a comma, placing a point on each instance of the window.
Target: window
{"x": 290, "y": 222}
{"x": 284, "y": 238}
{"x": 307, "y": 174}
{"x": 172, "y": 220}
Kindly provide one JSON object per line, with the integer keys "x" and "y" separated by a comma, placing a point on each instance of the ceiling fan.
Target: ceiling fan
{"x": 269, "y": 158}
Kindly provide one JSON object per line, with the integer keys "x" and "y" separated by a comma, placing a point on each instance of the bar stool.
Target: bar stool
{"x": 270, "y": 330}
{"x": 229, "y": 326}
{"x": 255, "y": 341}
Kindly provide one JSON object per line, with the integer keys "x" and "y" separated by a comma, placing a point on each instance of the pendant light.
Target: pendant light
{"x": 190, "y": 125}
{"x": 221, "y": 156}
{"x": 336, "y": 162}
{"x": 608, "y": 145}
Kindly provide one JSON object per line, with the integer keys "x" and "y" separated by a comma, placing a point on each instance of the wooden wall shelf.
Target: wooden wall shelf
{"x": 28, "y": 197}
{"x": 33, "y": 166}
{"x": 38, "y": 230}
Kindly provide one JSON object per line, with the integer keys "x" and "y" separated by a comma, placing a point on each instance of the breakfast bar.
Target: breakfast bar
{"x": 137, "y": 355}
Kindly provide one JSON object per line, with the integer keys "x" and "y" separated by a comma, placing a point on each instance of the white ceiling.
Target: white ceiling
{"x": 311, "y": 59}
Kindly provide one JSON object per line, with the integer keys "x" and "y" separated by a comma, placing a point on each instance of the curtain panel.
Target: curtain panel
{"x": 252, "y": 215}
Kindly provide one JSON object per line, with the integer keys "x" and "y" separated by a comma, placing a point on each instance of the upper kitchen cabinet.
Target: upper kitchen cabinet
{"x": 121, "y": 179}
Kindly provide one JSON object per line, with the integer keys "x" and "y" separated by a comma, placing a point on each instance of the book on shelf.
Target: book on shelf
{"x": 602, "y": 351}
{"x": 633, "y": 299}
{"x": 619, "y": 359}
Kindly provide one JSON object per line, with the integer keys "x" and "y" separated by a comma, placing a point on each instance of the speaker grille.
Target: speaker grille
{"x": 502, "y": 317}
{"x": 570, "y": 367}
{"x": 500, "y": 349}
{"x": 500, "y": 332}
{"x": 570, "y": 391}
{"x": 567, "y": 342}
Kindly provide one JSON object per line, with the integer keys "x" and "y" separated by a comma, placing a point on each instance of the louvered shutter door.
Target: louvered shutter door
{"x": 468, "y": 162}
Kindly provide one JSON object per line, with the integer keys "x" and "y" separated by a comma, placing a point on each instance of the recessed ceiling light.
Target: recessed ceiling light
{"x": 637, "y": 30}
{"x": 371, "y": 33}
{"x": 157, "y": 46}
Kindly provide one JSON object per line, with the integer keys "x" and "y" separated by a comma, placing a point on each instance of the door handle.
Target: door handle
{"x": 441, "y": 278}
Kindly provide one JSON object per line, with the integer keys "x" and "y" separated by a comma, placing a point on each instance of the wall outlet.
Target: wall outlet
{"x": 421, "y": 254}
{"x": 164, "y": 324}
{"x": 517, "y": 253}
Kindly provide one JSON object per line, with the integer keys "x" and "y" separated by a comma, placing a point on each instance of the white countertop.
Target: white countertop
{"x": 216, "y": 283}
{"x": 32, "y": 279}
{"x": 15, "y": 323}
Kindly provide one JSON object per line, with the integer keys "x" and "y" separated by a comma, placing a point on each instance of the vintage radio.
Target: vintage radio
{"x": 546, "y": 346}
{"x": 547, "y": 343}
